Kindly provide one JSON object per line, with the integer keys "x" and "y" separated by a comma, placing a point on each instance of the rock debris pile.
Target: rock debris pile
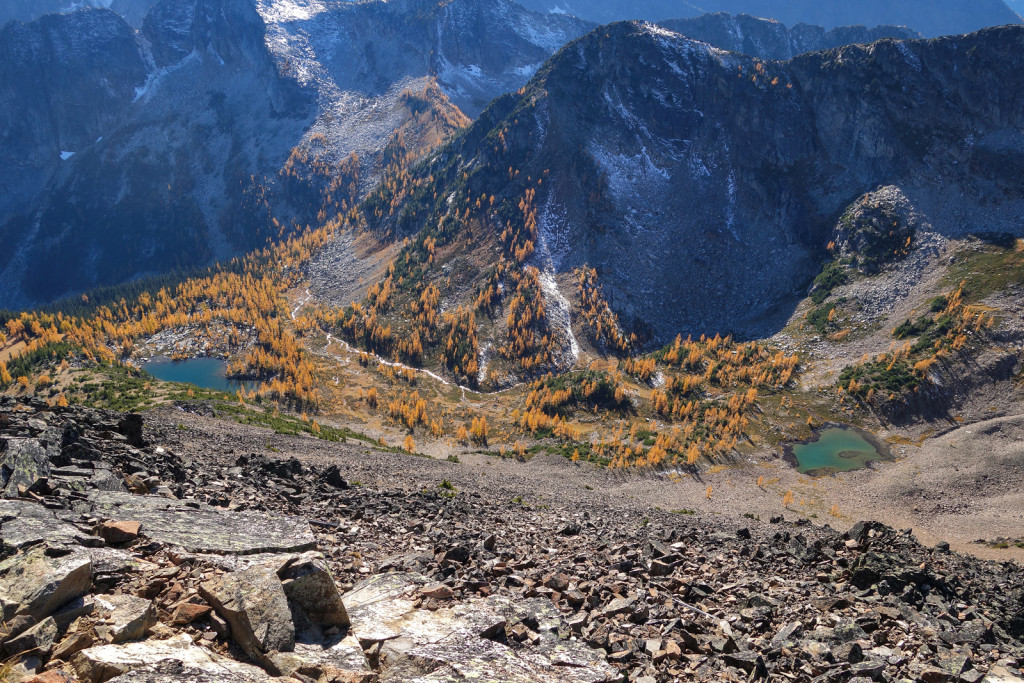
{"x": 124, "y": 561}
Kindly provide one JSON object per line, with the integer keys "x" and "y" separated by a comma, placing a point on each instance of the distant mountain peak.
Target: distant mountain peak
{"x": 928, "y": 17}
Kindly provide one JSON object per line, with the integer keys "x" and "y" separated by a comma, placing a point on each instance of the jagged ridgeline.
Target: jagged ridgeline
{"x": 930, "y": 17}
{"x": 701, "y": 186}
{"x": 770, "y": 39}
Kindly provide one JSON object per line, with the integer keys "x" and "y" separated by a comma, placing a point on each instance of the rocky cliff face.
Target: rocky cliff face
{"x": 770, "y": 39}
{"x": 15, "y": 10}
{"x": 183, "y": 148}
{"x": 75, "y": 74}
{"x": 929, "y": 17}
{"x": 142, "y": 189}
{"x": 18, "y": 10}
{"x": 67, "y": 80}
{"x": 477, "y": 50}
{"x": 702, "y": 185}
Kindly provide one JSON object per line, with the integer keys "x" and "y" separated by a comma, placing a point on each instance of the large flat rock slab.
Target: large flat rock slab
{"x": 175, "y": 672}
{"x": 174, "y": 659}
{"x": 459, "y": 660}
{"x": 205, "y": 529}
{"x": 26, "y": 523}
{"x": 378, "y": 607}
{"x": 1000, "y": 674}
{"x": 35, "y": 584}
{"x": 342, "y": 655}
{"x": 460, "y": 643}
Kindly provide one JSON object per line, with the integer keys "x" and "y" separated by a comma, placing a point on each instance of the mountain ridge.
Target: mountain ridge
{"x": 661, "y": 162}
{"x": 772, "y": 40}
{"x": 930, "y": 17}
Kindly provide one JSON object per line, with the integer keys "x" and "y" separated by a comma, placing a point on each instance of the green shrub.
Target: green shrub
{"x": 833, "y": 275}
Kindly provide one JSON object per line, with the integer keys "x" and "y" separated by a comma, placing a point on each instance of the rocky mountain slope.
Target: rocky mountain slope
{"x": 222, "y": 123}
{"x": 769, "y": 39}
{"x": 930, "y": 18}
{"x": 704, "y": 186}
{"x": 126, "y": 558}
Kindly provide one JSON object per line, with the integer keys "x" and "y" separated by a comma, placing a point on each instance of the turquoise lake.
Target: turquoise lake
{"x": 835, "y": 450}
{"x": 206, "y": 373}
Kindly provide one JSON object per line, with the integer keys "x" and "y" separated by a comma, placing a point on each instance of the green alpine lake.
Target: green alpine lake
{"x": 836, "y": 449}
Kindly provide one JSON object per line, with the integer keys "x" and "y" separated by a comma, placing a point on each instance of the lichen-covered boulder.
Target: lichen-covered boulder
{"x": 35, "y": 584}
{"x": 253, "y": 602}
{"x": 308, "y": 583}
{"x": 23, "y": 462}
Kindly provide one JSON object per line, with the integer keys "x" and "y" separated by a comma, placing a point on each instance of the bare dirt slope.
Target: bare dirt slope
{"x": 944, "y": 490}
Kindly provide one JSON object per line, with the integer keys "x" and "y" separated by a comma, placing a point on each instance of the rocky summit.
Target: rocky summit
{"x": 125, "y": 560}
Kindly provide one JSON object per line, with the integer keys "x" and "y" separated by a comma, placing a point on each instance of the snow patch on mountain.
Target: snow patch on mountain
{"x": 528, "y": 70}
{"x": 155, "y": 77}
{"x": 912, "y": 59}
{"x": 283, "y": 11}
{"x": 629, "y": 174}
{"x": 559, "y": 315}
{"x": 547, "y": 37}
{"x": 553, "y": 230}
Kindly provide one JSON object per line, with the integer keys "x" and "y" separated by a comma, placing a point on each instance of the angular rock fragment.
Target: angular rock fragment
{"x": 253, "y": 602}
{"x": 187, "y": 612}
{"x": 124, "y": 617}
{"x": 73, "y": 644}
{"x": 116, "y": 533}
{"x": 308, "y": 582}
{"x": 332, "y": 477}
{"x": 438, "y": 591}
{"x": 68, "y": 612}
{"x": 23, "y": 667}
{"x": 38, "y": 640}
{"x": 52, "y": 676}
